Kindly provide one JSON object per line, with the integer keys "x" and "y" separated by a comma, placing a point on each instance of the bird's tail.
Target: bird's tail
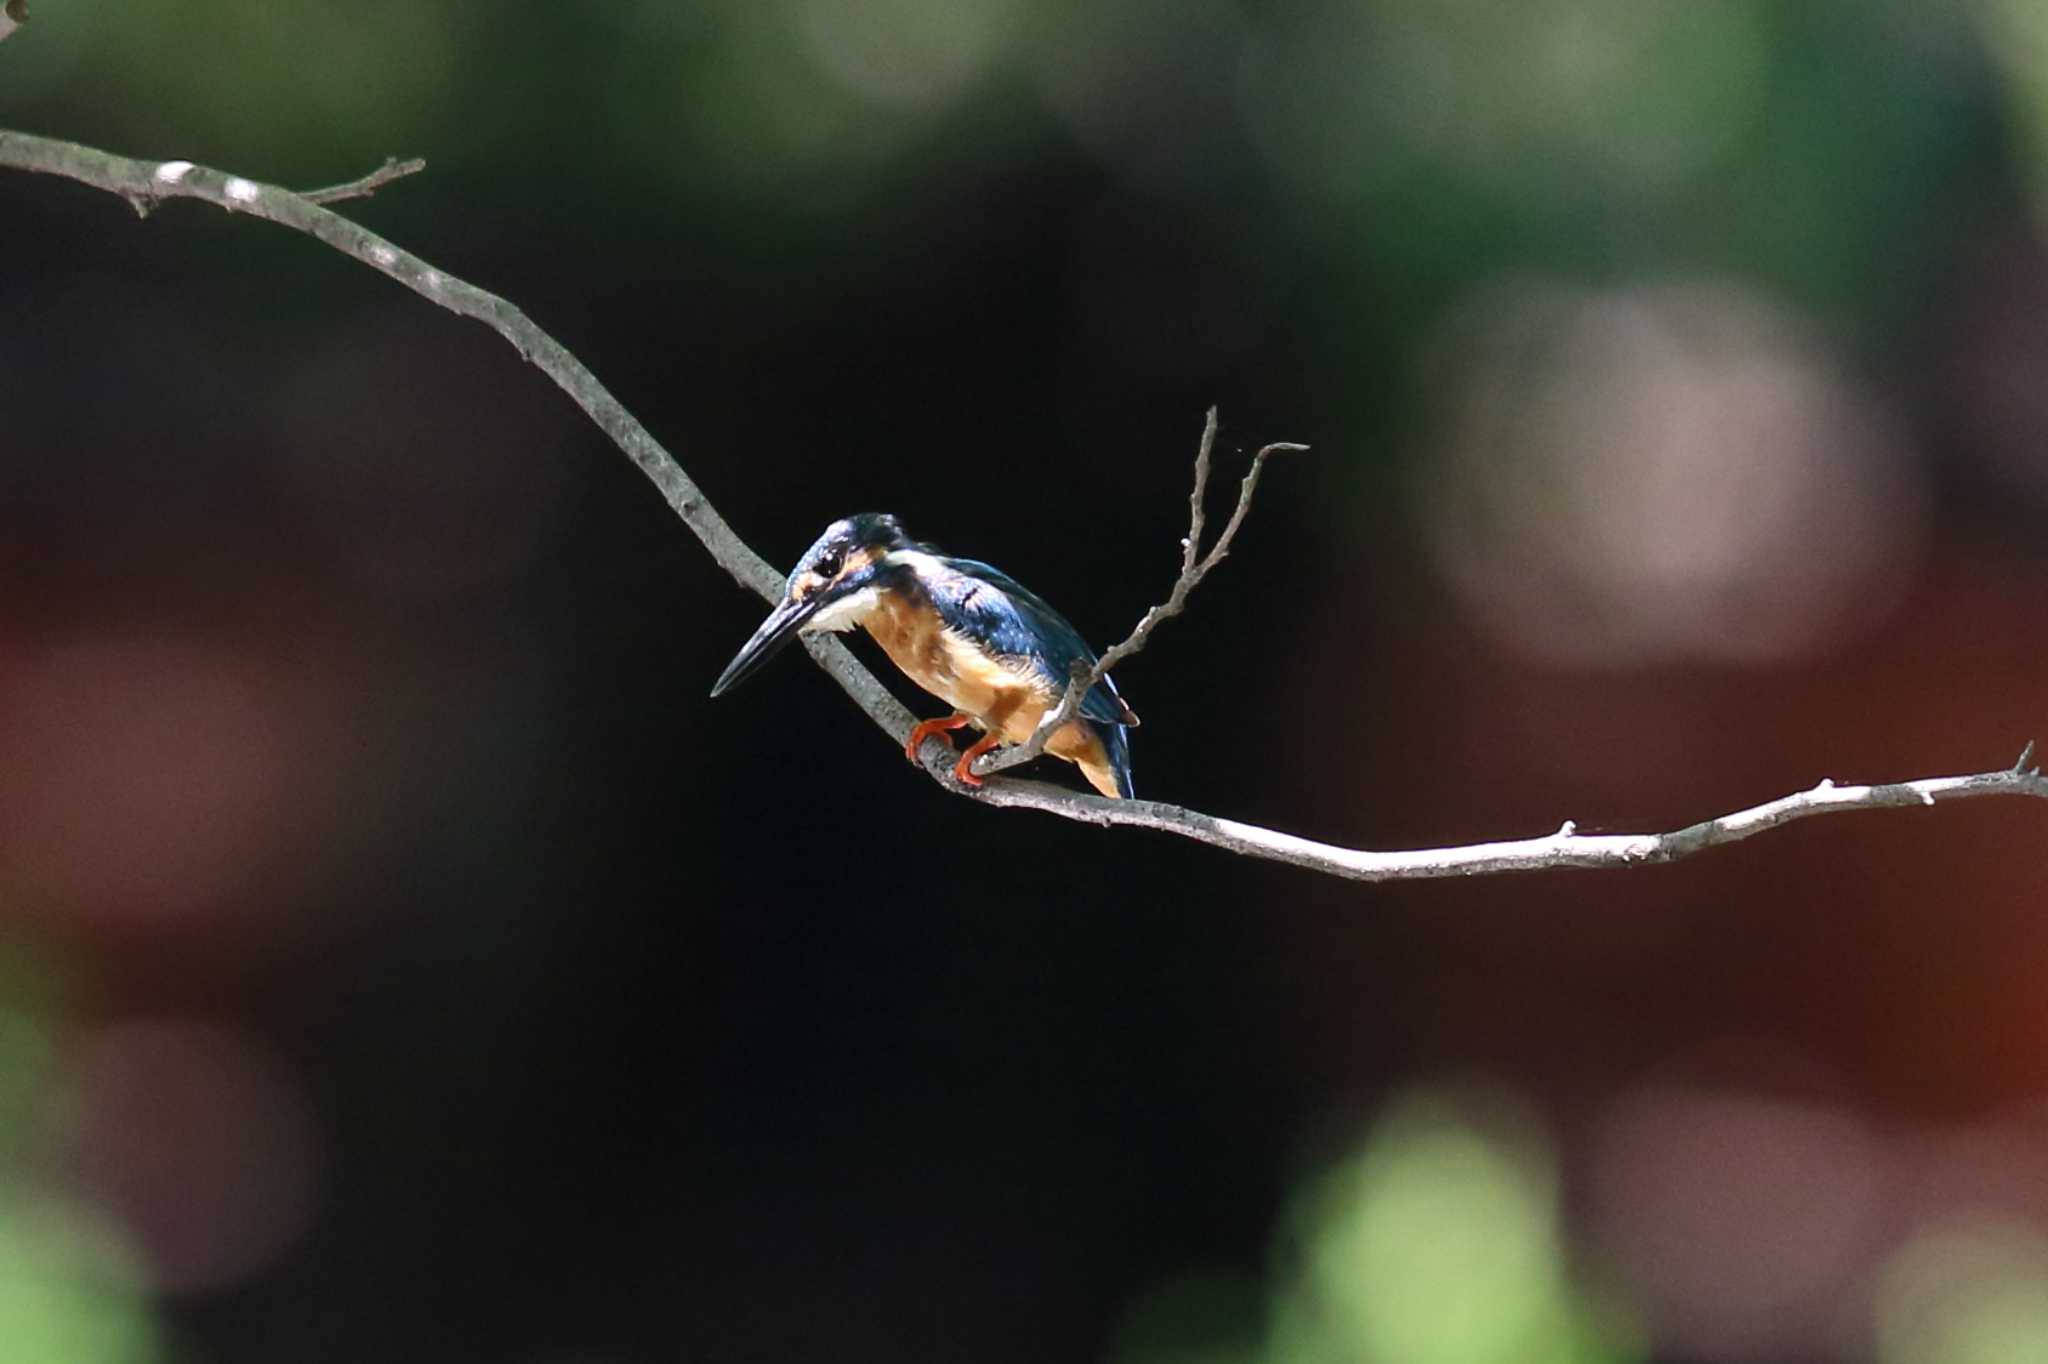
{"x": 1116, "y": 752}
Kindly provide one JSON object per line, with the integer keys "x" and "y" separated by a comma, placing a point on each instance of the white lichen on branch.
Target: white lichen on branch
{"x": 145, "y": 184}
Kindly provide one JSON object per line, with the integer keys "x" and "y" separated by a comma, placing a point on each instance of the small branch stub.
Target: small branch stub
{"x": 363, "y": 188}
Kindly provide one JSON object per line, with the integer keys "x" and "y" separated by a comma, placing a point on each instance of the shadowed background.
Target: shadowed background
{"x": 400, "y": 958}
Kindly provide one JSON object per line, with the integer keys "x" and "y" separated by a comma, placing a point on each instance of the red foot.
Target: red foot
{"x": 964, "y": 769}
{"x": 927, "y": 729}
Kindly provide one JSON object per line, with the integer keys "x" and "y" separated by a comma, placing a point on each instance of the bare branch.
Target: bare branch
{"x": 363, "y": 188}
{"x": 1564, "y": 849}
{"x": 1194, "y": 566}
{"x": 146, "y": 184}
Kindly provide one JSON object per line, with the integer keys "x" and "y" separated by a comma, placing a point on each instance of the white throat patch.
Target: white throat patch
{"x": 846, "y": 613}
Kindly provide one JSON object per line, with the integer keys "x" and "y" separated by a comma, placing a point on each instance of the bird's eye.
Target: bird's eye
{"x": 828, "y": 566}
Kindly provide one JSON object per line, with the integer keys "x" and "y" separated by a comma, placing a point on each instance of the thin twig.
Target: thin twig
{"x": 1194, "y": 566}
{"x": 1198, "y": 496}
{"x": 363, "y": 188}
{"x": 144, "y": 184}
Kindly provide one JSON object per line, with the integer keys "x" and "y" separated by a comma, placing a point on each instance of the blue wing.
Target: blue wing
{"x": 1012, "y": 620}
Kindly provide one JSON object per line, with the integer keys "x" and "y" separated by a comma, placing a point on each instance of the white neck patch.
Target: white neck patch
{"x": 922, "y": 564}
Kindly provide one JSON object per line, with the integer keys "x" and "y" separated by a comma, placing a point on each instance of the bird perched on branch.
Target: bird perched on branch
{"x": 965, "y": 632}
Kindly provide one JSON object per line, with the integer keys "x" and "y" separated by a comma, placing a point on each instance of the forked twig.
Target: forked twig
{"x": 1194, "y": 566}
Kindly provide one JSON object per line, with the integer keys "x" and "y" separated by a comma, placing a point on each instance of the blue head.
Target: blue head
{"x": 830, "y": 588}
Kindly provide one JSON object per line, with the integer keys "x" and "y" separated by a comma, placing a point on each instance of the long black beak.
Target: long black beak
{"x": 775, "y": 632}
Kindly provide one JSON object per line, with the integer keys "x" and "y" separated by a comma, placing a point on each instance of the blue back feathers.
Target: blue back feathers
{"x": 1014, "y": 621}
{"x": 1010, "y": 619}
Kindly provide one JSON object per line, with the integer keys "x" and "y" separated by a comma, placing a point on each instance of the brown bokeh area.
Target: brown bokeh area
{"x": 401, "y": 957}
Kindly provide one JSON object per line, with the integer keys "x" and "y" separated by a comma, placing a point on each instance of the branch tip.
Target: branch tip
{"x": 2026, "y": 756}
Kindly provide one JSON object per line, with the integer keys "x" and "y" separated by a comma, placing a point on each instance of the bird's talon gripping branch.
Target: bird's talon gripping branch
{"x": 964, "y": 769}
{"x": 932, "y": 729}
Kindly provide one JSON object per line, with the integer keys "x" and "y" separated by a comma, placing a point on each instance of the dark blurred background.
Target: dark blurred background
{"x": 400, "y": 958}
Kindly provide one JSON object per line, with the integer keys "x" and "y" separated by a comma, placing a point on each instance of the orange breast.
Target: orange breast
{"x": 1003, "y": 697}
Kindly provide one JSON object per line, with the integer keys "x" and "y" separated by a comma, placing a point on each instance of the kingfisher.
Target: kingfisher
{"x": 967, "y": 633}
